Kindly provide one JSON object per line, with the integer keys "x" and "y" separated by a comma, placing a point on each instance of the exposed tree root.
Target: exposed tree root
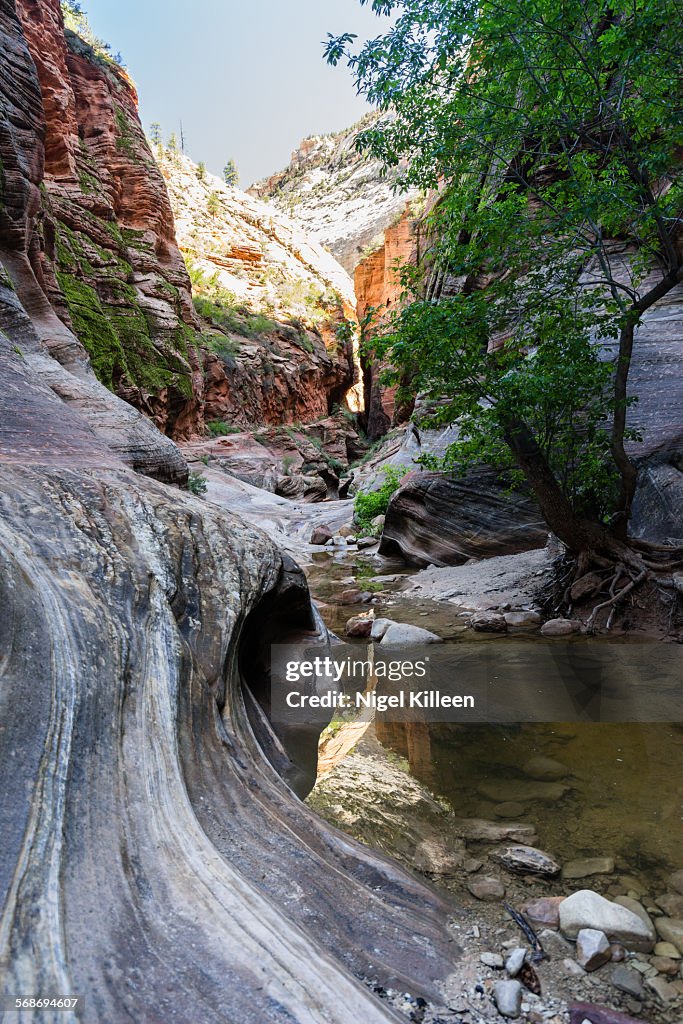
{"x": 615, "y": 598}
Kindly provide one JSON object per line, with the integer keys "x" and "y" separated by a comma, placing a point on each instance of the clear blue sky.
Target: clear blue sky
{"x": 246, "y": 78}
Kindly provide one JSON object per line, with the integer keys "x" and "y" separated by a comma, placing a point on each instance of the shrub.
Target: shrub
{"x": 197, "y": 484}
{"x": 375, "y": 503}
{"x": 218, "y": 428}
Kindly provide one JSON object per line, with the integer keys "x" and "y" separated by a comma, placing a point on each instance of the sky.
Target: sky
{"x": 247, "y": 79}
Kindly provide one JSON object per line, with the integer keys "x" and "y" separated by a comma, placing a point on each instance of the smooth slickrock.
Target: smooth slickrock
{"x": 587, "y": 909}
{"x": 443, "y": 522}
{"x": 592, "y": 949}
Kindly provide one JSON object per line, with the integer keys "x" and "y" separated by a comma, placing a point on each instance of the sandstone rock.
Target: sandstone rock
{"x": 346, "y": 531}
{"x": 482, "y": 831}
{"x": 544, "y": 911}
{"x": 527, "y": 860}
{"x": 581, "y": 1012}
{"x": 515, "y": 959}
{"x": 671, "y": 904}
{"x": 379, "y": 628}
{"x": 587, "y": 866}
{"x": 358, "y": 626}
{"x": 587, "y": 909}
{"x": 366, "y": 542}
{"x": 400, "y": 634}
{"x": 545, "y": 769}
{"x": 494, "y": 960}
{"x": 592, "y": 949}
{"x": 666, "y": 965}
{"x": 670, "y": 929}
{"x": 522, "y": 620}
{"x": 676, "y": 881}
{"x": 486, "y": 888}
{"x": 663, "y": 989}
{"x": 667, "y": 949}
{"x": 488, "y": 622}
{"x": 507, "y": 996}
{"x": 321, "y": 535}
{"x": 628, "y": 981}
{"x": 439, "y": 521}
{"x": 438, "y": 857}
{"x": 560, "y": 627}
{"x": 636, "y": 907}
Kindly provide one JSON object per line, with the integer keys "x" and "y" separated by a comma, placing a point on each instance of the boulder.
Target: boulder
{"x": 588, "y": 909}
{"x": 400, "y": 634}
{"x": 488, "y": 622}
{"x": 321, "y": 535}
{"x": 507, "y": 996}
{"x": 560, "y": 627}
{"x": 435, "y": 520}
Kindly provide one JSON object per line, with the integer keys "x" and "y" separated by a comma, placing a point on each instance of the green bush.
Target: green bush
{"x": 196, "y": 484}
{"x": 219, "y": 428}
{"x": 375, "y": 503}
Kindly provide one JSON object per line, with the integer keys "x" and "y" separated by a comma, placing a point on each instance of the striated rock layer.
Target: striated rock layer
{"x": 99, "y": 235}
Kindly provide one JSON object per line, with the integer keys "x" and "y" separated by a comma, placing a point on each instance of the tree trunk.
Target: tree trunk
{"x": 627, "y": 471}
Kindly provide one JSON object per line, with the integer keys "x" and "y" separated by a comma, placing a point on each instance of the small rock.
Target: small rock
{"x": 671, "y": 930}
{"x": 472, "y": 864}
{"x": 662, "y": 988}
{"x": 544, "y": 911}
{"x": 665, "y": 965}
{"x": 507, "y": 996}
{"x": 671, "y": 904}
{"x": 676, "y": 880}
{"x": 492, "y": 960}
{"x": 593, "y": 949}
{"x": 618, "y": 953}
{"x": 479, "y": 830}
{"x": 522, "y": 791}
{"x": 628, "y": 981}
{"x": 359, "y": 626}
{"x": 522, "y": 620}
{"x": 513, "y": 964}
{"x": 400, "y": 634}
{"x": 379, "y": 628}
{"x": 486, "y": 888}
{"x": 511, "y": 809}
{"x": 667, "y": 949}
{"x": 571, "y": 967}
{"x": 378, "y": 522}
{"x": 527, "y": 860}
{"x": 587, "y": 909}
{"x": 587, "y": 866}
{"x": 560, "y": 627}
{"x": 545, "y": 769}
{"x": 678, "y": 582}
{"x": 351, "y": 596}
{"x": 587, "y": 585}
{"x": 488, "y": 622}
{"x": 579, "y": 1013}
{"x": 321, "y": 535}
{"x": 366, "y": 542}
{"x": 346, "y": 531}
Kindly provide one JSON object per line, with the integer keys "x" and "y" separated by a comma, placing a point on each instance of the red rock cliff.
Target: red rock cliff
{"x": 104, "y": 250}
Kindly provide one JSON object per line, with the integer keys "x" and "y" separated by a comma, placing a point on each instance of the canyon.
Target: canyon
{"x": 186, "y": 405}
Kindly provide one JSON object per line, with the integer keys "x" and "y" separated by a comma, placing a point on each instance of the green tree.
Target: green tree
{"x": 213, "y": 204}
{"x": 550, "y": 132}
{"x": 155, "y": 133}
{"x": 201, "y": 170}
{"x": 172, "y": 144}
{"x": 231, "y": 174}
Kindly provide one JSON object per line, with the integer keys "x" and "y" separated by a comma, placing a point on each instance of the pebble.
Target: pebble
{"x": 587, "y": 866}
{"x": 665, "y": 965}
{"x": 527, "y": 860}
{"x": 671, "y": 930}
{"x": 588, "y": 909}
{"x": 560, "y": 627}
{"x": 667, "y": 949}
{"x": 492, "y": 960}
{"x": 507, "y": 996}
{"x": 486, "y": 888}
{"x": 471, "y": 865}
{"x": 513, "y": 964}
{"x": 593, "y": 949}
{"x": 663, "y": 989}
{"x": 618, "y": 953}
{"x": 627, "y": 980}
